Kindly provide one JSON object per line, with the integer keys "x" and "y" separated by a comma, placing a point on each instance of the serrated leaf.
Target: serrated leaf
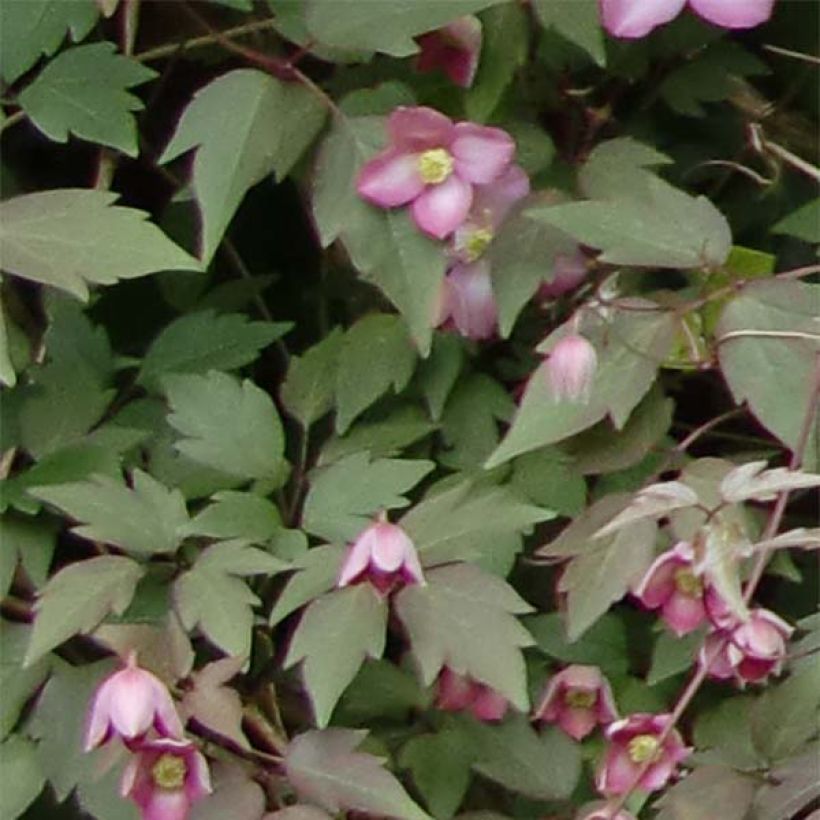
{"x": 226, "y": 425}
{"x": 28, "y": 543}
{"x": 272, "y": 123}
{"x": 753, "y": 481}
{"x": 235, "y": 795}
{"x": 722, "y": 734}
{"x": 800, "y": 537}
{"x": 144, "y": 520}
{"x": 236, "y": 515}
{"x": 376, "y": 354}
{"x": 548, "y": 478}
{"x": 780, "y": 400}
{"x": 654, "y": 501}
{"x": 335, "y": 635}
{"x": 672, "y": 655}
{"x": 803, "y": 223}
{"x": 71, "y": 237}
{"x": 21, "y": 777}
{"x": 309, "y": 386}
{"x": 18, "y": 683}
{"x": 709, "y": 791}
{"x": 200, "y": 342}
{"x": 33, "y": 28}
{"x": 324, "y": 768}
{"x": 544, "y": 765}
{"x": 792, "y": 786}
{"x": 446, "y": 525}
{"x": 464, "y": 618}
{"x": 84, "y": 91}
{"x": 386, "y": 247}
{"x": 237, "y": 557}
{"x": 345, "y": 496}
{"x": 578, "y": 21}
{"x": 65, "y": 606}
{"x": 438, "y": 373}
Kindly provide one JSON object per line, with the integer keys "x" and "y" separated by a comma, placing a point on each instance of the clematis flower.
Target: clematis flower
{"x": 460, "y": 693}
{"x": 672, "y": 585}
{"x": 578, "y": 698}
{"x": 433, "y": 165}
{"x": 128, "y": 703}
{"x": 571, "y": 368}
{"x": 636, "y": 18}
{"x": 454, "y": 48}
{"x": 750, "y": 651}
{"x": 569, "y": 270}
{"x": 165, "y": 777}
{"x": 633, "y": 742}
{"x": 385, "y": 556}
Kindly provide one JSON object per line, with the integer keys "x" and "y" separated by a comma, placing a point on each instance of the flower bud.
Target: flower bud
{"x": 460, "y": 693}
{"x": 568, "y": 271}
{"x": 454, "y": 48}
{"x": 469, "y": 301}
{"x": 571, "y": 368}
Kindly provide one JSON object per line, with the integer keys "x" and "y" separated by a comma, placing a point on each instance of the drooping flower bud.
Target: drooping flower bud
{"x": 633, "y": 742}
{"x": 578, "y": 698}
{"x": 385, "y": 556}
{"x": 127, "y": 704}
{"x": 165, "y": 778}
{"x": 568, "y": 271}
{"x": 454, "y": 48}
{"x": 468, "y": 301}
{"x": 460, "y": 693}
{"x": 571, "y": 368}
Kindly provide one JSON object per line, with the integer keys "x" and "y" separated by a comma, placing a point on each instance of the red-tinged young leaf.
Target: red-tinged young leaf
{"x": 753, "y": 482}
{"x": 326, "y": 769}
{"x": 464, "y": 618}
{"x": 800, "y": 537}
{"x": 335, "y": 635}
{"x": 654, "y": 501}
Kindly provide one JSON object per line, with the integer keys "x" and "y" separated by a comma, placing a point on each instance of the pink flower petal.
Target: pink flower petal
{"x": 636, "y": 18}
{"x": 166, "y": 805}
{"x": 390, "y": 179}
{"x": 415, "y": 129}
{"x": 607, "y": 710}
{"x": 734, "y": 13}
{"x": 577, "y": 722}
{"x": 492, "y": 202}
{"x": 657, "y": 775}
{"x": 683, "y": 613}
{"x": 470, "y": 300}
{"x": 482, "y": 153}
{"x": 488, "y": 704}
{"x": 455, "y": 49}
{"x": 440, "y": 209}
{"x": 390, "y": 545}
{"x": 455, "y": 692}
{"x": 568, "y": 271}
{"x": 658, "y": 585}
{"x": 617, "y": 772}
{"x": 357, "y": 559}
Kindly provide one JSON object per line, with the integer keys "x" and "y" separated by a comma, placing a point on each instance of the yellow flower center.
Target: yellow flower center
{"x": 643, "y": 748}
{"x": 476, "y": 243}
{"x": 435, "y": 165}
{"x": 169, "y": 772}
{"x": 580, "y": 698}
{"x": 687, "y": 583}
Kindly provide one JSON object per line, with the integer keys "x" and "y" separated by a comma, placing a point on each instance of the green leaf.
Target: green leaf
{"x": 200, "y": 342}
{"x": 576, "y": 20}
{"x": 29, "y": 542}
{"x": 544, "y": 765}
{"x": 447, "y": 524}
{"x": 210, "y": 596}
{"x": 271, "y": 125}
{"x": 630, "y": 348}
{"x": 344, "y": 497}
{"x": 71, "y": 237}
{"x": 324, "y": 768}
{"x": 376, "y": 354}
{"x": 723, "y": 734}
{"x": 236, "y": 515}
{"x": 66, "y": 607}
{"x": 144, "y": 520}
{"x": 792, "y": 786}
{"x": 672, "y": 655}
{"x": 804, "y": 223}
{"x": 21, "y": 778}
{"x": 780, "y": 400}
{"x": 549, "y": 479}
{"x": 309, "y": 387}
{"x": 8, "y": 376}
{"x": 464, "y": 618}
{"x": 636, "y": 218}
{"x": 503, "y": 52}
{"x": 385, "y": 246}
{"x": 317, "y": 572}
{"x": 335, "y": 635}
{"x": 84, "y": 91}
{"x": 380, "y": 691}
{"x": 33, "y": 28}
{"x": 391, "y": 29}
{"x": 440, "y": 766}
{"x": 226, "y": 425}
{"x": 709, "y": 791}
{"x": 438, "y": 373}
{"x": 18, "y": 682}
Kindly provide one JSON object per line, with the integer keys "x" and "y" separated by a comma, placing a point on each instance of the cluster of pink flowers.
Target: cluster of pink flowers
{"x": 167, "y": 773}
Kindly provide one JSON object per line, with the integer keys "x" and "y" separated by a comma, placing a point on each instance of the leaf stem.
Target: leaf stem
{"x": 767, "y": 334}
{"x": 12, "y": 119}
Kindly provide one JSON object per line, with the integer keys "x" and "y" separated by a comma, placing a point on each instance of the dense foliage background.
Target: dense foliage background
{"x": 226, "y": 360}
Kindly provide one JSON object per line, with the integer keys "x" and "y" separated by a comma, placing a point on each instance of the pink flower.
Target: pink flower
{"x": 633, "y": 742}
{"x": 165, "y": 777}
{"x": 128, "y": 703}
{"x": 569, "y": 270}
{"x": 434, "y": 164}
{"x": 571, "y": 368}
{"x": 454, "y": 49}
{"x": 383, "y": 555}
{"x": 468, "y": 301}
{"x": 672, "y": 585}
{"x": 750, "y": 651}
{"x": 636, "y": 18}
{"x": 460, "y": 693}
{"x": 578, "y": 698}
